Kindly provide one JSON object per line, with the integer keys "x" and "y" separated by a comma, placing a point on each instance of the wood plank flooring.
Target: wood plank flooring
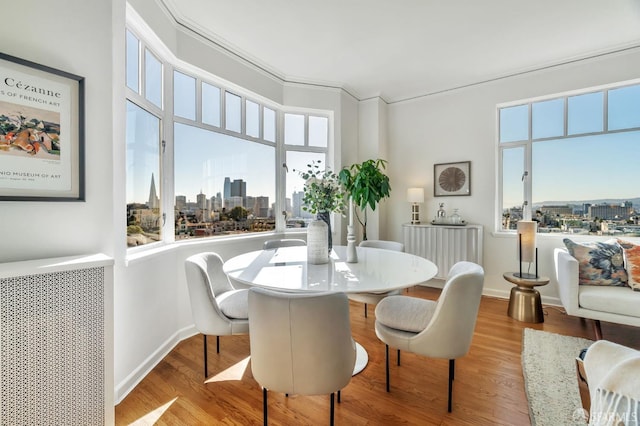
{"x": 488, "y": 387}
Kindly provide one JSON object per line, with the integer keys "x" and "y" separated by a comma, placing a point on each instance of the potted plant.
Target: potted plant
{"x": 367, "y": 185}
{"x": 323, "y": 194}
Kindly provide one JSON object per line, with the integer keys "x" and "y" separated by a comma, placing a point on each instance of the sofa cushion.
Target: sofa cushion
{"x": 599, "y": 263}
{"x": 615, "y": 300}
{"x": 631, "y": 253}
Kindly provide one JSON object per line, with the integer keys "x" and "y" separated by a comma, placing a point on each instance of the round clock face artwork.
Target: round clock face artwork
{"x": 452, "y": 179}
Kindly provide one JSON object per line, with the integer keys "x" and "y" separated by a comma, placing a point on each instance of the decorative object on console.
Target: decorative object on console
{"x": 452, "y": 179}
{"x": 367, "y": 185}
{"x": 527, "y": 250}
{"x": 631, "y": 254}
{"x": 415, "y": 196}
{"x": 600, "y": 263}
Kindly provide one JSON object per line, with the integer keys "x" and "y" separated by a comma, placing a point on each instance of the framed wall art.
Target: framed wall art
{"x": 41, "y": 132}
{"x": 452, "y": 179}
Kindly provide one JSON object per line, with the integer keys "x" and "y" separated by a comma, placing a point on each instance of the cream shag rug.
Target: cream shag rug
{"x": 550, "y": 381}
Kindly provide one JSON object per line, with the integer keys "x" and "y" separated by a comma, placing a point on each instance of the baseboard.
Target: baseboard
{"x": 491, "y": 292}
{"x": 123, "y": 388}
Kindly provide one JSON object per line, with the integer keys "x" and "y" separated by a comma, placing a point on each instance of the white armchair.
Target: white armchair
{"x": 441, "y": 329}
{"x": 374, "y": 298}
{"x": 218, "y": 309}
{"x": 300, "y": 343}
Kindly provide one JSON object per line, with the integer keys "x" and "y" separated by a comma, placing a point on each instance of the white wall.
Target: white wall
{"x": 460, "y": 125}
{"x": 33, "y": 230}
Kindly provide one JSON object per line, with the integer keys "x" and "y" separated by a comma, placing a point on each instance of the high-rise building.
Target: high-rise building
{"x": 154, "y": 201}
{"x": 201, "y": 200}
{"x": 297, "y": 204}
{"x": 181, "y": 202}
{"x": 238, "y": 188}
{"x": 227, "y": 188}
{"x": 261, "y": 207}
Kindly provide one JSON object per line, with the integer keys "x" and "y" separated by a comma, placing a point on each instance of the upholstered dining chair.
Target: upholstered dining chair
{"x": 374, "y": 298}
{"x": 218, "y": 309}
{"x": 436, "y": 329}
{"x": 285, "y": 242}
{"x": 300, "y": 343}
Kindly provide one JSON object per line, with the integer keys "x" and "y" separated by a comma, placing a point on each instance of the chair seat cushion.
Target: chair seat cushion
{"x": 235, "y": 303}
{"x": 405, "y": 313}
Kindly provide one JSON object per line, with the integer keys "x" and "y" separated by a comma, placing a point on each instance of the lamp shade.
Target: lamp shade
{"x": 527, "y": 230}
{"x": 415, "y": 195}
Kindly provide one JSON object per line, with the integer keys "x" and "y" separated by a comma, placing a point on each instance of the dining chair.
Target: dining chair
{"x": 436, "y": 329}
{"x": 285, "y": 242}
{"x": 300, "y": 343}
{"x": 218, "y": 309}
{"x": 374, "y": 298}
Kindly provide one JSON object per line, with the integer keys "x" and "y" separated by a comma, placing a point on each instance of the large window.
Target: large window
{"x": 226, "y": 151}
{"x": 569, "y": 162}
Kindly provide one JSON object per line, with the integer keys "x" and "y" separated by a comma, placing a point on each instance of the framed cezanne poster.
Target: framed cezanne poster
{"x": 41, "y": 132}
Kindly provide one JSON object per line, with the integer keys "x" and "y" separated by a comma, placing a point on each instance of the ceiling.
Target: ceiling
{"x": 403, "y": 49}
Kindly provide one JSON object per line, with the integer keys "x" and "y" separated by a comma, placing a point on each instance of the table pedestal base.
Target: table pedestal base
{"x": 525, "y": 305}
{"x": 362, "y": 359}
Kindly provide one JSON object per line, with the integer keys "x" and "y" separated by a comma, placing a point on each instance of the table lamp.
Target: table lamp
{"x": 415, "y": 196}
{"x": 527, "y": 250}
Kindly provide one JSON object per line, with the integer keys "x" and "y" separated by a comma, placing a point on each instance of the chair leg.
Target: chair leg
{"x": 597, "y": 329}
{"x": 206, "y": 372}
{"x": 339, "y": 397}
{"x": 365, "y": 310}
{"x": 217, "y": 344}
{"x": 452, "y": 369}
{"x": 264, "y": 405}
{"x": 333, "y": 394}
{"x": 398, "y": 356}
{"x": 387, "y": 364}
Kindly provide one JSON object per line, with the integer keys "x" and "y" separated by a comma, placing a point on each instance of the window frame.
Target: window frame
{"x": 171, "y": 64}
{"x": 527, "y": 144}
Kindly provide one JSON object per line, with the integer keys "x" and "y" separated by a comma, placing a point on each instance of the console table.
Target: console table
{"x": 444, "y": 245}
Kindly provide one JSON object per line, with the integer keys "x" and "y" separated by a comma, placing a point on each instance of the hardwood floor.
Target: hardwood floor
{"x": 488, "y": 387}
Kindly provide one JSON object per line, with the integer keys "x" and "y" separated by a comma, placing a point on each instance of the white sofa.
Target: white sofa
{"x": 600, "y": 303}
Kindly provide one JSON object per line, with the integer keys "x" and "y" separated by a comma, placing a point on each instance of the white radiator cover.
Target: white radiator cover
{"x": 55, "y": 342}
{"x": 444, "y": 245}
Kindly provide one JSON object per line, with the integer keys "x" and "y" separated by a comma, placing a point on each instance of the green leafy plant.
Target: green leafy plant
{"x": 367, "y": 185}
{"x": 322, "y": 190}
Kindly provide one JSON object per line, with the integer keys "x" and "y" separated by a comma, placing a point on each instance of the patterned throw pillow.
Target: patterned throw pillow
{"x": 632, "y": 262}
{"x": 599, "y": 263}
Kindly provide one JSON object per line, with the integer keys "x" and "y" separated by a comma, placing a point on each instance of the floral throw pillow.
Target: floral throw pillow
{"x": 599, "y": 263}
{"x": 631, "y": 253}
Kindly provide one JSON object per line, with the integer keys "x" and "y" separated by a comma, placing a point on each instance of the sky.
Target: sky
{"x": 580, "y": 167}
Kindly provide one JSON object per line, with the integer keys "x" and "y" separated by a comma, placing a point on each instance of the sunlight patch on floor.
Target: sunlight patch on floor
{"x": 152, "y": 417}
{"x": 235, "y": 372}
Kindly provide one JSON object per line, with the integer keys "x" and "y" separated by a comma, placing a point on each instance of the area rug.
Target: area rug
{"x": 549, "y": 369}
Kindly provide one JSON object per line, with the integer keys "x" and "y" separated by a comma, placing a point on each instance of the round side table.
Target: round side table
{"x": 524, "y": 302}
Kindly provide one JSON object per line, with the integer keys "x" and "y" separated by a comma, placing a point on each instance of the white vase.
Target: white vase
{"x": 317, "y": 242}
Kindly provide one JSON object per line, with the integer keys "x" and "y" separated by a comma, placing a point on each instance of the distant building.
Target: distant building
{"x": 620, "y": 211}
{"x": 557, "y": 210}
{"x": 154, "y": 201}
{"x": 181, "y": 202}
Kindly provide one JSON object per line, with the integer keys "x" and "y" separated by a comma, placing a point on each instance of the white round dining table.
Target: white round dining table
{"x": 287, "y": 269}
